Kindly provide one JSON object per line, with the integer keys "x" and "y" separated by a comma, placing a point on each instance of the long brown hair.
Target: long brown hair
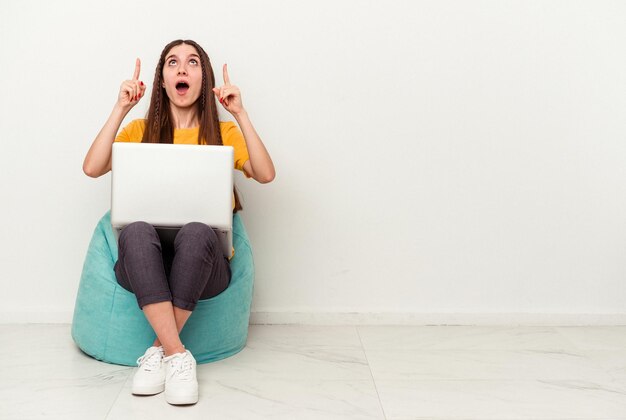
{"x": 159, "y": 128}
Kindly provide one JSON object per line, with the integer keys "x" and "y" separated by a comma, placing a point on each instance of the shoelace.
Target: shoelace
{"x": 180, "y": 365}
{"x": 151, "y": 361}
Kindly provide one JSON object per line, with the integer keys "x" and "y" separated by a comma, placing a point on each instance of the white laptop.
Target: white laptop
{"x": 169, "y": 185}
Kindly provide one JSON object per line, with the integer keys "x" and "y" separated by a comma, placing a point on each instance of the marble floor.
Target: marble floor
{"x": 338, "y": 372}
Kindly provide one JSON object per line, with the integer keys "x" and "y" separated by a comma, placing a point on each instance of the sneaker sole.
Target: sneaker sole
{"x": 148, "y": 390}
{"x": 181, "y": 399}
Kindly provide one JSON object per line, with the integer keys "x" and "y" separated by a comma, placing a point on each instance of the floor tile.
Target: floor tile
{"x": 45, "y": 376}
{"x": 311, "y": 336}
{"x": 596, "y": 338}
{"x": 326, "y": 363}
{"x": 339, "y": 372}
{"x": 243, "y": 399}
{"x": 613, "y": 362}
{"x": 502, "y": 400}
{"x": 462, "y": 338}
{"x": 483, "y": 365}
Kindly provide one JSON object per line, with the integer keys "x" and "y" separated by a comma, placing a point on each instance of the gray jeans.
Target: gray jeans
{"x": 181, "y": 266}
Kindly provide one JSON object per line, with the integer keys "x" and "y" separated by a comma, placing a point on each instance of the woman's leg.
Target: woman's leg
{"x": 161, "y": 318}
{"x": 195, "y": 266}
{"x": 140, "y": 269}
{"x": 199, "y": 268}
{"x": 181, "y": 317}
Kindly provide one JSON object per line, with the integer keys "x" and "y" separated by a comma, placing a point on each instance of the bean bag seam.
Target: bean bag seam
{"x": 108, "y": 331}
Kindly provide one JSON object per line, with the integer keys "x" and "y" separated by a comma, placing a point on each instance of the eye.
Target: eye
{"x": 193, "y": 61}
{"x": 171, "y": 62}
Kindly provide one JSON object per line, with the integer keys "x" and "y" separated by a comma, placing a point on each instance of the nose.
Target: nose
{"x": 182, "y": 69}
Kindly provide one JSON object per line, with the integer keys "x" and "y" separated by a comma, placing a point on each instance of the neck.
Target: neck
{"x": 184, "y": 117}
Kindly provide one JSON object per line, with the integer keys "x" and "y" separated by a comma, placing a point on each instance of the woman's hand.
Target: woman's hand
{"x": 131, "y": 91}
{"x": 229, "y": 95}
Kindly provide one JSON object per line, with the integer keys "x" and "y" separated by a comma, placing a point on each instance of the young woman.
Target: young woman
{"x": 169, "y": 277}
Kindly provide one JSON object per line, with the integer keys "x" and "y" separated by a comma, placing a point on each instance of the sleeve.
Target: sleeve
{"x": 232, "y": 136}
{"x": 131, "y": 133}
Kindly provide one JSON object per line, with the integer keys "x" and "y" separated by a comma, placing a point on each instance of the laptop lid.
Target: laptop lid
{"x": 169, "y": 185}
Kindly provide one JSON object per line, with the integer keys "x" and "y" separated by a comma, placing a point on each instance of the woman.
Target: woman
{"x": 169, "y": 277}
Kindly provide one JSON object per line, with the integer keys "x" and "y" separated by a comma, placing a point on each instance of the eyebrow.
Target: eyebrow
{"x": 174, "y": 55}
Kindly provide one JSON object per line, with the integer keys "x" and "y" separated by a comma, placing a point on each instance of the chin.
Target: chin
{"x": 184, "y": 104}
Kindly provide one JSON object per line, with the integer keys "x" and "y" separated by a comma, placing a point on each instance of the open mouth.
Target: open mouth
{"x": 182, "y": 88}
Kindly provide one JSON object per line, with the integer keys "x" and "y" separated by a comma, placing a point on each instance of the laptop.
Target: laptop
{"x": 170, "y": 185}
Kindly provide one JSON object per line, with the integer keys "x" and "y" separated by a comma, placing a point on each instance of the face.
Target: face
{"x": 182, "y": 75}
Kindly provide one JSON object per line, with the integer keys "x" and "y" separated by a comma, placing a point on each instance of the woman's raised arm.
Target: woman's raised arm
{"x": 260, "y": 166}
{"x": 98, "y": 159}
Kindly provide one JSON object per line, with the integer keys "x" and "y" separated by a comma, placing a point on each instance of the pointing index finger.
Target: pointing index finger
{"x": 137, "y": 69}
{"x": 226, "y": 78}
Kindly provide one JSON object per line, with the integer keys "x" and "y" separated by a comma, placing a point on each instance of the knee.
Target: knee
{"x": 136, "y": 231}
{"x": 196, "y": 234}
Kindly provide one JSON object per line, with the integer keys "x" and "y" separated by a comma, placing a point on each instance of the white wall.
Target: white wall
{"x": 437, "y": 161}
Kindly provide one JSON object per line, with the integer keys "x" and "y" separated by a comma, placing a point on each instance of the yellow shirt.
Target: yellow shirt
{"x": 231, "y": 136}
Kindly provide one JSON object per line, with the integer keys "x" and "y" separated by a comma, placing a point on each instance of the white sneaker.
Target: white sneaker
{"x": 181, "y": 385}
{"x": 150, "y": 376}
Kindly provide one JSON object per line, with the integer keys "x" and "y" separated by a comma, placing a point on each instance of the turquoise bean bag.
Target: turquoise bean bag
{"x": 109, "y": 326}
